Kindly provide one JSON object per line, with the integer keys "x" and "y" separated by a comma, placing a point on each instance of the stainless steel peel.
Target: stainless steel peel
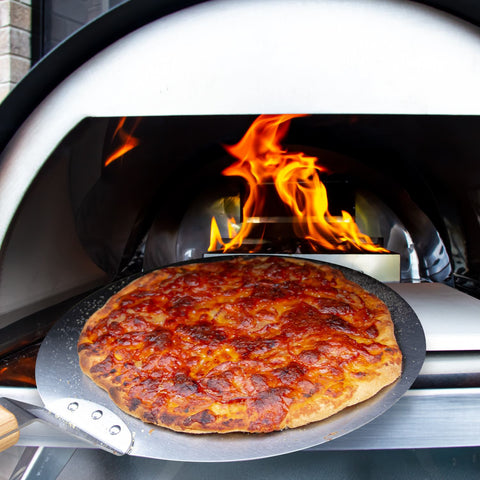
{"x": 82, "y": 418}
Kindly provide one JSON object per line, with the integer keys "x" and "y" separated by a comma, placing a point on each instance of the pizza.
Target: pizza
{"x": 245, "y": 344}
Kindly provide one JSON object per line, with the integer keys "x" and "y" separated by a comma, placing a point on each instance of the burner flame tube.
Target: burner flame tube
{"x": 261, "y": 161}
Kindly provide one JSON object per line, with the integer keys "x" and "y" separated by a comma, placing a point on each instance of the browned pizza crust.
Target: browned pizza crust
{"x": 252, "y": 344}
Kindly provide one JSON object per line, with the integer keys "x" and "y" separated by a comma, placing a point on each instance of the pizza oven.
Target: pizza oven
{"x": 119, "y": 157}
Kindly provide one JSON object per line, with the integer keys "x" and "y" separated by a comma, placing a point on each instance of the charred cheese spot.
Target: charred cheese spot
{"x": 267, "y": 409}
{"x": 203, "y": 332}
{"x": 302, "y": 317}
{"x": 290, "y": 374}
{"x": 254, "y": 347}
{"x": 218, "y": 384}
{"x": 85, "y": 346}
{"x": 168, "y": 418}
{"x": 184, "y": 385}
{"x": 133, "y": 403}
{"x": 332, "y": 306}
{"x": 115, "y": 393}
{"x": 308, "y": 357}
{"x": 204, "y": 418}
{"x": 259, "y": 382}
{"x": 371, "y": 331}
{"x": 103, "y": 368}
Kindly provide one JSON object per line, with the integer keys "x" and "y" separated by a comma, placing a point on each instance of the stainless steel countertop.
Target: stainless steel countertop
{"x": 430, "y": 418}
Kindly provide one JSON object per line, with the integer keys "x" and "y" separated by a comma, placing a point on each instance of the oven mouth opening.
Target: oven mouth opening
{"x": 153, "y": 205}
{"x": 168, "y": 189}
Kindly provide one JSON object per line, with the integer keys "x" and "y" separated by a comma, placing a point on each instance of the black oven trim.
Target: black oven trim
{"x": 106, "y": 29}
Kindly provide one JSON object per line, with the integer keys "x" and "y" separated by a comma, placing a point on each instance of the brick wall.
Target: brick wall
{"x": 15, "y": 49}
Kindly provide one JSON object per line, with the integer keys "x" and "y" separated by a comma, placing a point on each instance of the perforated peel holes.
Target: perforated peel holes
{"x": 95, "y": 423}
{"x": 97, "y": 414}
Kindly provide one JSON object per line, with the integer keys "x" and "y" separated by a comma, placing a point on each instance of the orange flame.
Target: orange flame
{"x": 296, "y": 176}
{"x": 215, "y": 236}
{"x": 127, "y": 140}
{"x": 231, "y": 227}
{"x": 18, "y": 369}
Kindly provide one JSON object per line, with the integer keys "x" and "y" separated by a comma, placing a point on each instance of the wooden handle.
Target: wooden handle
{"x": 9, "y": 431}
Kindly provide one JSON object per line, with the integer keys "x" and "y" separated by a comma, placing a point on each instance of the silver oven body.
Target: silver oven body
{"x": 227, "y": 58}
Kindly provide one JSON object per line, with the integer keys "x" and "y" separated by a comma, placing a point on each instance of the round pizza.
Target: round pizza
{"x": 245, "y": 344}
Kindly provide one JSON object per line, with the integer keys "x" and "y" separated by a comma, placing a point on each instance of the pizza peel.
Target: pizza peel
{"x": 59, "y": 377}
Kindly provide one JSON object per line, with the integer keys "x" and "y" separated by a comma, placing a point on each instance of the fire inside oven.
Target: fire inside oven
{"x": 174, "y": 189}
{"x": 345, "y": 189}
{"x": 258, "y": 195}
